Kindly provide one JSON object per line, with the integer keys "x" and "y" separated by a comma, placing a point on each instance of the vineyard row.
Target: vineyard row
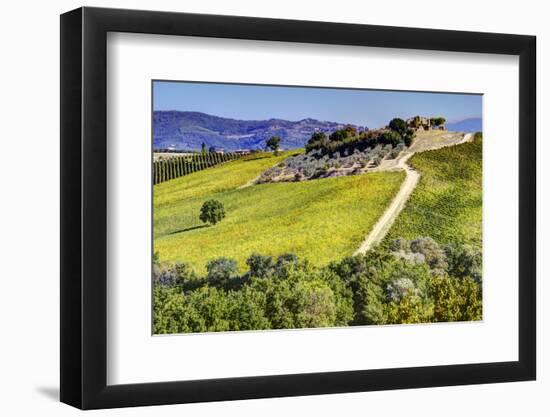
{"x": 168, "y": 169}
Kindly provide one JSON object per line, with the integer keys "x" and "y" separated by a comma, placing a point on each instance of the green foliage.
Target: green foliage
{"x": 222, "y": 177}
{"x": 318, "y": 140}
{"x": 212, "y": 211}
{"x": 174, "y": 167}
{"x": 434, "y": 256}
{"x": 220, "y": 272}
{"x": 390, "y": 138}
{"x": 437, "y": 121}
{"x": 293, "y": 295}
{"x": 464, "y": 261}
{"x": 261, "y": 283}
{"x": 456, "y": 299}
{"x": 273, "y": 143}
{"x": 398, "y": 125}
{"x": 408, "y": 138}
{"x": 248, "y": 310}
{"x": 342, "y": 134}
{"x": 350, "y": 131}
{"x": 349, "y": 139}
{"x": 384, "y": 286}
{"x": 260, "y": 266}
{"x": 406, "y": 135}
{"x": 270, "y": 218}
{"x": 409, "y": 309}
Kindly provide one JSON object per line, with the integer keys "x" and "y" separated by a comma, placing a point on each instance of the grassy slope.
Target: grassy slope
{"x": 322, "y": 220}
{"x": 447, "y": 203}
{"x": 221, "y": 177}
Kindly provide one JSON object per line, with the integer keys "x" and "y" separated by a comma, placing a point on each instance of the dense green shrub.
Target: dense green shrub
{"x": 347, "y": 140}
{"x": 212, "y": 211}
{"x": 464, "y": 261}
{"x": 413, "y": 281}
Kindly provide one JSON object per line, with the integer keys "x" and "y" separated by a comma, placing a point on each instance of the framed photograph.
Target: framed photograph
{"x": 258, "y": 208}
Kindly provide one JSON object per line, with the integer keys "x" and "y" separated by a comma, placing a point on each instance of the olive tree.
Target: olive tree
{"x": 212, "y": 211}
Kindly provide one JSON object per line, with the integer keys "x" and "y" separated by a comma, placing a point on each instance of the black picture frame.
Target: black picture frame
{"x": 84, "y": 207}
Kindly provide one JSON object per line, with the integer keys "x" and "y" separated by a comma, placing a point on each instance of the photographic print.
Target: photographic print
{"x": 286, "y": 207}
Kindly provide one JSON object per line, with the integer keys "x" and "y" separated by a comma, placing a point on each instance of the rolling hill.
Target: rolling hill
{"x": 322, "y": 220}
{"x": 182, "y": 130}
{"x": 447, "y": 203}
{"x": 471, "y": 125}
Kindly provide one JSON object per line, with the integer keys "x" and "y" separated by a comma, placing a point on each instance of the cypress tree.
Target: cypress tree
{"x": 157, "y": 167}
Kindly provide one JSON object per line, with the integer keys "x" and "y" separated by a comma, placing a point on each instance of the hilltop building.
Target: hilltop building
{"x": 420, "y": 123}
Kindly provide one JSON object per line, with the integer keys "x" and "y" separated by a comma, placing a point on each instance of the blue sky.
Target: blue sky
{"x": 371, "y": 108}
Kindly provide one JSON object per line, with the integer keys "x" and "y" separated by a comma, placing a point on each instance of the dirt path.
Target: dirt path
{"x": 251, "y": 182}
{"x": 384, "y": 223}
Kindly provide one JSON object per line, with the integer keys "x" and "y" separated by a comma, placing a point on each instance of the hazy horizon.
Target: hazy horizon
{"x": 370, "y": 108}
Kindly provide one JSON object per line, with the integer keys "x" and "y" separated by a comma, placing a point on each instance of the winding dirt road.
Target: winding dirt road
{"x": 424, "y": 142}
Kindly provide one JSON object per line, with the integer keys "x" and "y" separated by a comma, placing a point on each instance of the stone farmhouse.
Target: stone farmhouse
{"x": 420, "y": 123}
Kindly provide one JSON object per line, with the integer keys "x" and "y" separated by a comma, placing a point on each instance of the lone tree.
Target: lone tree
{"x": 203, "y": 147}
{"x": 273, "y": 144}
{"x": 212, "y": 211}
{"x": 437, "y": 121}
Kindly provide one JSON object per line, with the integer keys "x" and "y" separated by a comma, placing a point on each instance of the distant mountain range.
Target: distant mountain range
{"x": 467, "y": 125}
{"x": 183, "y": 130}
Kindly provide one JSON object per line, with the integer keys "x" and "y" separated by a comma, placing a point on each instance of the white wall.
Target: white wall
{"x": 29, "y": 101}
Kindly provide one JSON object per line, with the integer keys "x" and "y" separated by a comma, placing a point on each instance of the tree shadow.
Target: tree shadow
{"x": 254, "y": 159}
{"x": 188, "y": 229}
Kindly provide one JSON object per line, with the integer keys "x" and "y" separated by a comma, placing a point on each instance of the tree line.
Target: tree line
{"x": 416, "y": 281}
{"x": 349, "y": 139}
{"x": 174, "y": 167}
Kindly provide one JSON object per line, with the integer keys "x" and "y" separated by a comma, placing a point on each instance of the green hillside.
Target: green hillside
{"x": 321, "y": 220}
{"x": 447, "y": 203}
